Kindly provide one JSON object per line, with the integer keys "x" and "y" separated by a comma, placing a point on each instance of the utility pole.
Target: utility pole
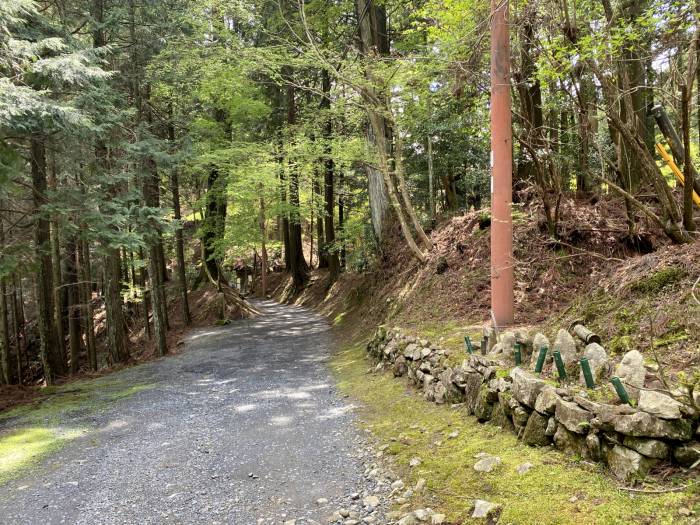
{"x": 501, "y": 168}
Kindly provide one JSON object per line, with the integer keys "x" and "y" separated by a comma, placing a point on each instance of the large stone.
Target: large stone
{"x": 546, "y": 402}
{"x": 483, "y": 408}
{"x": 453, "y": 394}
{"x": 566, "y": 346}
{"x": 500, "y": 419}
{"x": 632, "y": 373}
{"x": 626, "y": 463}
{"x": 439, "y": 393}
{"x": 526, "y": 387}
{"x": 472, "y": 386}
{"x": 520, "y": 417}
{"x": 399, "y": 369}
{"x": 659, "y": 405}
{"x": 641, "y": 424}
{"x": 594, "y": 447}
{"x": 651, "y": 448}
{"x": 598, "y": 360}
{"x": 410, "y": 349}
{"x": 573, "y": 417}
{"x": 538, "y": 342}
{"x": 535, "y": 432}
{"x": 687, "y": 455}
{"x": 570, "y": 442}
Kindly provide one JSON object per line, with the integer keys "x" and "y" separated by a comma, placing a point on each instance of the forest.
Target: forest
{"x": 164, "y": 164}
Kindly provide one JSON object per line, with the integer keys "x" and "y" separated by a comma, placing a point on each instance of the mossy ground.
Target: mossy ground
{"x": 44, "y": 427}
{"x": 556, "y": 490}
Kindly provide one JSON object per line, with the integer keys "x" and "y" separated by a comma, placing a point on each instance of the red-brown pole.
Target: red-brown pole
{"x": 501, "y": 168}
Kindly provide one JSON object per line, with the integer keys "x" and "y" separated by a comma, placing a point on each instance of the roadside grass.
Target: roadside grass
{"x": 36, "y": 430}
{"x": 557, "y": 490}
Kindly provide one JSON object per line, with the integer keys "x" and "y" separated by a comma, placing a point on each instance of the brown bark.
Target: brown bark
{"x": 51, "y": 358}
{"x": 85, "y": 271}
{"x": 5, "y": 365}
{"x": 73, "y": 304}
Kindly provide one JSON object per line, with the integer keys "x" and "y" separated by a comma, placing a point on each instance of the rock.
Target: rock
{"x": 420, "y": 485}
{"x": 632, "y": 373}
{"x": 524, "y": 468}
{"x": 538, "y": 342}
{"x": 399, "y": 369}
{"x": 593, "y": 445}
{"x": 526, "y": 387}
{"x": 498, "y": 349}
{"x": 437, "y": 519}
{"x": 520, "y": 417}
{"x": 599, "y": 361}
{"x": 551, "y": 427}
{"x": 546, "y": 402}
{"x": 626, "y": 463}
{"x": 651, "y": 448}
{"x": 290, "y": 522}
{"x": 397, "y": 485}
{"x": 535, "y": 430}
{"x": 472, "y": 386}
{"x": 485, "y": 510}
{"x": 688, "y": 454}
{"x": 370, "y": 501}
{"x": 500, "y": 419}
{"x": 425, "y": 353}
{"x": 566, "y": 345}
{"x": 414, "y": 462}
{"x": 487, "y": 463}
{"x": 659, "y": 405}
{"x": 642, "y": 424}
{"x": 422, "y": 514}
{"x": 453, "y": 435}
{"x": 439, "y": 393}
{"x": 570, "y": 442}
{"x": 573, "y": 417}
{"x": 321, "y": 501}
{"x": 410, "y": 349}
{"x": 408, "y": 519}
{"x": 483, "y": 408}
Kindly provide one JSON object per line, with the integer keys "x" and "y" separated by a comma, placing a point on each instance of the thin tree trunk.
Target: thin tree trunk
{"x": 5, "y": 368}
{"x": 180, "y": 247}
{"x": 404, "y": 193}
{"x": 688, "y": 222}
{"x": 143, "y": 277}
{"x": 341, "y": 218}
{"x": 85, "y": 270}
{"x": 58, "y": 295}
{"x": 73, "y": 304}
{"x": 431, "y": 189}
{"x": 49, "y": 349}
{"x": 14, "y": 307}
{"x": 263, "y": 242}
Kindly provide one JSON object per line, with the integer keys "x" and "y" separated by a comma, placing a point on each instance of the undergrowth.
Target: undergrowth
{"x": 555, "y": 491}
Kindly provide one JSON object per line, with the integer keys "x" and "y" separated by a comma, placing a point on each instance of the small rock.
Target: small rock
{"x": 397, "y": 485}
{"x": 321, "y": 501}
{"x": 408, "y": 519}
{"x": 598, "y": 359}
{"x": 437, "y": 519}
{"x": 566, "y": 346}
{"x": 626, "y": 463}
{"x": 415, "y": 462}
{"x": 487, "y": 463}
{"x": 485, "y": 509}
{"x": 370, "y": 501}
{"x": 632, "y": 373}
{"x": 422, "y": 514}
{"x": 420, "y": 485}
{"x": 524, "y": 468}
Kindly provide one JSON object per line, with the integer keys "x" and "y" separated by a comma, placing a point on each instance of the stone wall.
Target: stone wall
{"x": 629, "y": 440}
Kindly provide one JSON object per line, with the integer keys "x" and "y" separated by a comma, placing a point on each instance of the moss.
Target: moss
{"x": 40, "y": 427}
{"x": 656, "y": 282}
{"x": 543, "y": 496}
{"x": 23, "y": 448}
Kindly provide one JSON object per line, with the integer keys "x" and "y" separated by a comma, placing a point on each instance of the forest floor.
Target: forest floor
{"x": 244, "y": 426}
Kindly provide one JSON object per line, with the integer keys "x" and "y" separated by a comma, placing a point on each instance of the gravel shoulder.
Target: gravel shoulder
{"x": 245, "y": 426}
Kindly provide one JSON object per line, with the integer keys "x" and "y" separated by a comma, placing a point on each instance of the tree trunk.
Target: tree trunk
{"x": 143, "y": 279}
{"x": 214, "y": 223}
{"x": 431, "y": 183}
{"x": 263, "y": 242}
{"x": 322, "y": 257}
{"x": 180, "y": 247}
{"x": 85, "y": 270}
{"x": 688, "y": 222}
{"x": 51, "y": 357}
{"x": 374, "y": 41}
{"x": 5, "y": 366}
{"x": 341, "y": 218}
{"x": 16, "y": 330}
{"x": 58, "y": 295}
{"x": 298, "y": 267}
{"x": 73, "y": 304}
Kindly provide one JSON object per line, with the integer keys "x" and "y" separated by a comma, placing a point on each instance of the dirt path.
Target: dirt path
{"x": 244, "y": 427}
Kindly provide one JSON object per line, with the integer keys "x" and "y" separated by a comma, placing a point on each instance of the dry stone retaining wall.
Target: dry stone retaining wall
{"x": 629, "y": 440}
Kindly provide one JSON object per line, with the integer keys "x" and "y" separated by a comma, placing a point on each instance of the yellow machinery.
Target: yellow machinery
{"x": 674, "y": 168}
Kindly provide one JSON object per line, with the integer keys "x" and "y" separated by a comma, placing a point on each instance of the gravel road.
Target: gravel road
{"x": 245, "y": 427}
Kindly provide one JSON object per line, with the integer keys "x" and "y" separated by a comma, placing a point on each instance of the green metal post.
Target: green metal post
{"x": 561, "y": 369}
{"x": 540, "y": 359}
{"x": 518, "y": 354}
{"x": 620, "y": 389}
{"x": 468, "y": 344}
{"x": 587, "y": 374}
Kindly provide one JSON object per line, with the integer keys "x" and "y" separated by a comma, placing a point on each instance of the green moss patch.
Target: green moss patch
{"x": 556, "y": 490}
{"x": 656, "y": 282}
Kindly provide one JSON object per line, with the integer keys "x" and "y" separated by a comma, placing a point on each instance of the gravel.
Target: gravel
{"x": 245, "y": 427}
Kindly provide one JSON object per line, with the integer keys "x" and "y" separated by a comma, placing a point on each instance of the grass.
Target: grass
{"x": 38, "y": 428}
{"x": 556, "y": 490}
